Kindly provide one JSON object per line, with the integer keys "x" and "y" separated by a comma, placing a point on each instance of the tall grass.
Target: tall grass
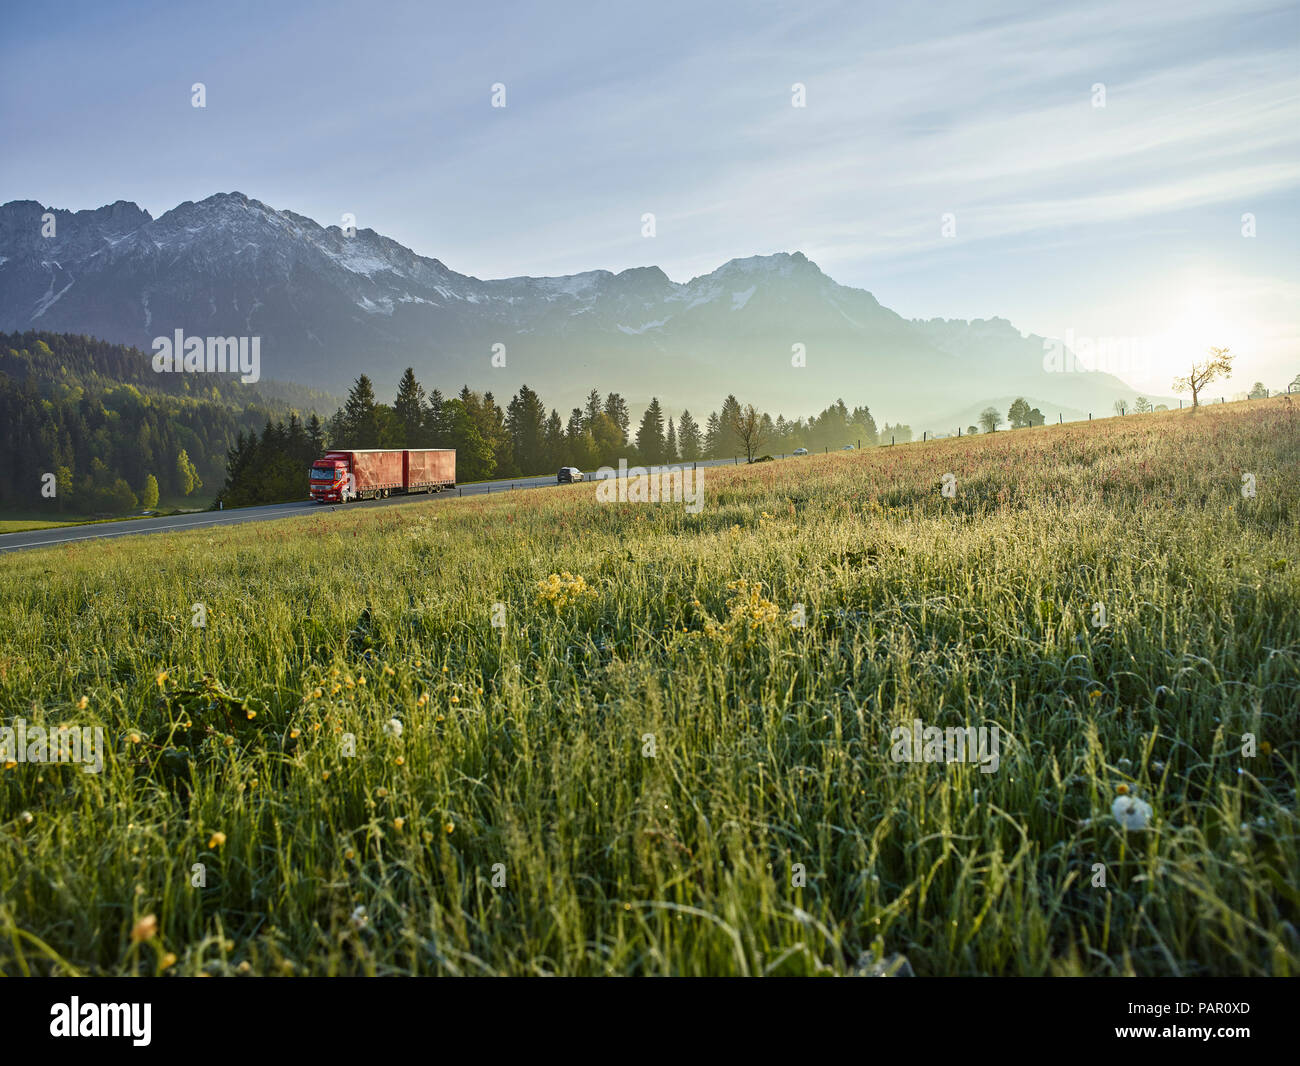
{"x": 648, "y": 769}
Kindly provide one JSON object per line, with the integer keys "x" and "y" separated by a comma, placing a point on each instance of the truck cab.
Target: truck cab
{"x": 329, "y": 480}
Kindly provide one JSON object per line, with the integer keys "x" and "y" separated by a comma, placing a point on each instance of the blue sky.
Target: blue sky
{"x": 1115, "y": 221}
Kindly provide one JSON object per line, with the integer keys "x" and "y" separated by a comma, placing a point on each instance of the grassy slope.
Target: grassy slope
{"x": 523, "y": 746}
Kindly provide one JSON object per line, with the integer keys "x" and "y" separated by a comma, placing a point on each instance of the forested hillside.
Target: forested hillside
{"x": 115, "y": 435}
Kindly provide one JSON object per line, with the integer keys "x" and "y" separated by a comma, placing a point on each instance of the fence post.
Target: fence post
{"x": 925, "y": 435}
{"x": 891, "y": 441}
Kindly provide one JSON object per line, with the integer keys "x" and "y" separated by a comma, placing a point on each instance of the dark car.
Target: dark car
{"x": 568, "y": 475}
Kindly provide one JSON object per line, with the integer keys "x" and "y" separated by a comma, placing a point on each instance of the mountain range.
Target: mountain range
{"x": 329, "y": 304}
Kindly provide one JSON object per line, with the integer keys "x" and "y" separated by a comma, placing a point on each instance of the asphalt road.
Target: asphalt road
{"x": 45, "y": 538}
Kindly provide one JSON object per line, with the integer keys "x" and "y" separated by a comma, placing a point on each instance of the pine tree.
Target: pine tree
{"x": 689, "y": 444}
{"x": 409, "y": 409}
{"x": 435, "y": 433}
{"x": 526, "y": 425}
{"x": 616, "y": 408}
{"x": 358, "y": 420}
{"x": 315, "y": 436}
{"x": 713, "y": 436}
{"x": 650, "y": 436}
{"x": 556, "y": 453}
{"x": 670, "y": 443}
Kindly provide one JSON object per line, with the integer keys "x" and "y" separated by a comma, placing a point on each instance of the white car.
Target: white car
{"x": 801, "y": 451}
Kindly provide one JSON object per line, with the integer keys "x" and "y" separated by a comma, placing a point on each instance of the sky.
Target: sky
{"x": 952, "y": 158}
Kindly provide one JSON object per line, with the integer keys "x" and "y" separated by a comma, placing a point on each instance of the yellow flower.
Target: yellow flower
{"x": 168, "y": 961}
{"x": 134, "y": 738}
{"x": 455, "y": 699}
{"x": 82, "y": 703}
{"x": 424, "y": 698}
{"x": 1265, "y": 748}
{"x": 349, "y": 854}
{"x": 145, "y": 929}
{"x": 293, "y": 734}
{"x": 1122, "y": 790}
{"x": 450, "y": 827}
{"x": 398, "y": 823}
{"x": 1094, "y": 695}
{"x": 218, "y": 838}
{"x": 325, "y": 775}
{"x": 161, "y": 679}
{"x": 251, "y": 715}
{"x": 381, "y": 792}
{"x": 400, "y": 761}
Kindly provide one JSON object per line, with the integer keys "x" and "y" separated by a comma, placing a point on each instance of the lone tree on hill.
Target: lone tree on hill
{"x": 990, "y": 419}
{"x": 1217, "y": 364}
{"x": 747, "y": 425}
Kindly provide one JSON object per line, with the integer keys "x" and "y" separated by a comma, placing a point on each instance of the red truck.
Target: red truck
{"x": 369, "y": 473}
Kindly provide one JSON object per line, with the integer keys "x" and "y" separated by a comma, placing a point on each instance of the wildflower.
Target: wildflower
{"x": 251, "y": 714}
{"x": 394, "y": 727}
{"x": 1094, "y": 695}
{"x": 26, "y": 818}
{"x": 293, "y": 734}
{"x": 349, "y": 854}
{"x": 134, "y": 738}
{"x": 325, "y": 775}
{"x": 450, "y": 827}
{"x": 82, "y": 703}
{"x": 1131, "y": 812}
{"x": 161, "y": 679}
{"x": 1122, "y": 790}
{"x": 145, "y": 929}
{"x": 398, "y": 823}
{"x": 218, "y": 838}
{"x": 168, "y": 961}
{"x": 564, "y": 590}
{"x": 381, "y": 792}
{"x": 360, "y": 919}
{"x": 1265, "y": 748}
{"x": 400, "y": 761}
{"x": 424, "y": 698}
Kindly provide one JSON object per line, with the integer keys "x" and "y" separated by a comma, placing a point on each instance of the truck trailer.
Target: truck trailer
{"x": 372, "y": 473}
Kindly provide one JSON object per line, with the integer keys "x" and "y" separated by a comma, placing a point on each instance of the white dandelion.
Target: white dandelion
{"x": 394, "y": 727}
{"x": 1131, "y": 812}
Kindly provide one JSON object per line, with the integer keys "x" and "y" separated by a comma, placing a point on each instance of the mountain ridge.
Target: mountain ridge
{"x": 329, "y": 305}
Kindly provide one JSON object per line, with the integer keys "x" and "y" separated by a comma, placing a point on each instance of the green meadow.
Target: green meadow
{"x": 534, "y": 733}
